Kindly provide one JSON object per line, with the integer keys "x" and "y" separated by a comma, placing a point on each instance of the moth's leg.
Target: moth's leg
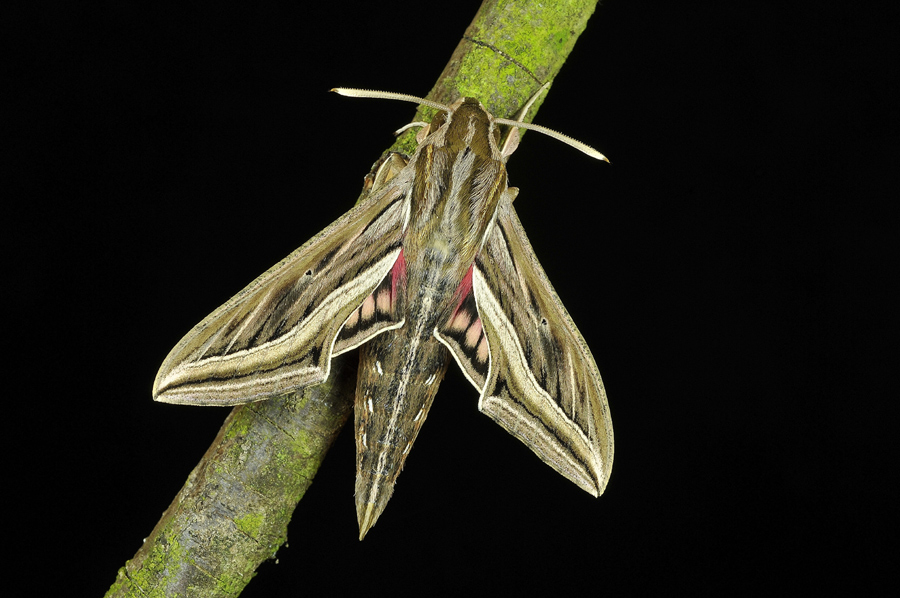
{"x": 423, "y": 133}
{"x": 512, "y": 139}
{"x": 385, "y": 169}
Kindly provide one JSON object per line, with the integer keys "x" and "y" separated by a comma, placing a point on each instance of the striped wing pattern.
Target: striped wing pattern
{"x": 540, "y": 381}
{"x": 278, "y": 334}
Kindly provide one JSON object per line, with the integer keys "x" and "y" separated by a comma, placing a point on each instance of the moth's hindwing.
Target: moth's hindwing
{"x": 517, "y": 344}
{"x": 280, "y": 332}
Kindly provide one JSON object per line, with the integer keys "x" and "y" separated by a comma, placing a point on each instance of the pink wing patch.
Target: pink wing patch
{"x": 381, "y": 310}
{"x": 463, "y": 332}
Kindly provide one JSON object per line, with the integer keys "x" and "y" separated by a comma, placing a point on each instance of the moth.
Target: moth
{"x": 432, "y": 265}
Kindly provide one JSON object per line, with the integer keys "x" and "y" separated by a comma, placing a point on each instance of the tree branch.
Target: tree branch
{"x": 233, "y": 511}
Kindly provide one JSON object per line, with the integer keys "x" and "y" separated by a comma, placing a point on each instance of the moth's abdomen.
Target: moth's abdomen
{"x": 399, "y": 374}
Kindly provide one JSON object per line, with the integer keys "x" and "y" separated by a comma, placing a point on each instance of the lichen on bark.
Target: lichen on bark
{"x": 233, "y": 511}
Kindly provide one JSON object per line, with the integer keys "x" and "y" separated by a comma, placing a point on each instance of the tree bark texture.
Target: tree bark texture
{"x": 233, "y": 511}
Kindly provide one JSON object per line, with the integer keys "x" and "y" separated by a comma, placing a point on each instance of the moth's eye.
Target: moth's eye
{"x": 438, "y": 120}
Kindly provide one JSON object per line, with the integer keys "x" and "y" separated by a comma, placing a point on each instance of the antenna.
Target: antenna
{"x": 390, "y": 95}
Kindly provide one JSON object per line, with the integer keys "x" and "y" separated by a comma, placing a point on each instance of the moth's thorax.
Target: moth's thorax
{"x": 470, "y": 126}
{"x": 459, "y": 179}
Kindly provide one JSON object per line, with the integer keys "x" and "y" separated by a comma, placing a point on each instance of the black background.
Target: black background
{"x": 727, "y": 270}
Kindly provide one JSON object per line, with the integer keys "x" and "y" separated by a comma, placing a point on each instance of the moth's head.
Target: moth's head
{"x": 467, "y": 123}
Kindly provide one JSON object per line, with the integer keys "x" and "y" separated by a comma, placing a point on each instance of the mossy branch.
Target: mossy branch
{"x": 233, "y": 511}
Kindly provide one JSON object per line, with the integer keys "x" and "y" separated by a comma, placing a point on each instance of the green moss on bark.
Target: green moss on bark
{"x": 233, "y": 511}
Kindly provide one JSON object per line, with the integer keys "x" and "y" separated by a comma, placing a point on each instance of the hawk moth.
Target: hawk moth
{"x": 433, "y": 264}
